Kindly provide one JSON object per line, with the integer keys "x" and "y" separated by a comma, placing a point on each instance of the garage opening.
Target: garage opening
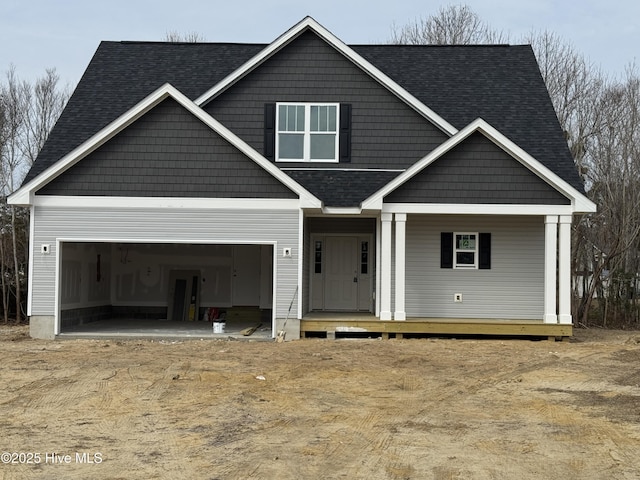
{"x": 165, "y": 289}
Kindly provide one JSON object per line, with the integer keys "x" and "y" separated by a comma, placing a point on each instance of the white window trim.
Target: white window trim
{"x": 307, "y": 133}
{"x": 465, "y": 266}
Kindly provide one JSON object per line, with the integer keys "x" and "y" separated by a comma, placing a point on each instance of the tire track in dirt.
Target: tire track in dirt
{"x": 373, "y": 437}
{"x": 366, "y": 409}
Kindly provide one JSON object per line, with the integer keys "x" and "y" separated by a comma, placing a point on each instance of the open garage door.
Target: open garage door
{"x": 164, "y": 289}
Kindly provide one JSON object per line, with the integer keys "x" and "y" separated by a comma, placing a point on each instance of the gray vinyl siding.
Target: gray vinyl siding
{"x": 168, "y": 153}
{"x": 385, "y": 132}
{"x": 511, "y": 289}
{"x": 477, "y": 171}
{"x": 162, "y": 225}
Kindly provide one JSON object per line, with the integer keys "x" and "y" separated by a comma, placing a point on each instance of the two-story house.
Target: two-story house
{"x": 341, "y": 188}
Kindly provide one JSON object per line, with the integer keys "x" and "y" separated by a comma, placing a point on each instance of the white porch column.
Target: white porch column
{"x": 401, "y": 222}
{"x": 564, "y": 270}
{"x": 385, "y": 267}
{"x": 550, "y": 267}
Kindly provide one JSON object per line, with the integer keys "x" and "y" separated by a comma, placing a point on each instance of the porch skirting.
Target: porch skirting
{"x": 357, "y": 324}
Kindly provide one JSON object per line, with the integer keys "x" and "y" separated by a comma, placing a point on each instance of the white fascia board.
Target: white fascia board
{"x": 25, "y": 195}
{"x": 476, "y": 209}
{"x": 348, "y": 52}
{"x": 342, "y": 210}
{"x": 579, "y": 202}
{"x": 21, "y": 198}
{"x": 583, "y": 205}
{"x": 167, "y": 203}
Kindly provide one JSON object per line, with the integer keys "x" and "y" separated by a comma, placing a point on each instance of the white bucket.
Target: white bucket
{"x": 218, "y": 327}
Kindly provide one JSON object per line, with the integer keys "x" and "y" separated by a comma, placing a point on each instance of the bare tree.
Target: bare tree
{"x": 14, "y": 100}
{"x": 4, "y": 133}
{"x": 452, "y": 25}
{"x": 177, "y": 37}
{"x": 14, "y": 107}
{"x": 601, "y": 121}
{"x": 610, "y": 236}
{"x": 575, "y": 87}
{"x": 45, "y": 102}
{"x": 28, "y": 114}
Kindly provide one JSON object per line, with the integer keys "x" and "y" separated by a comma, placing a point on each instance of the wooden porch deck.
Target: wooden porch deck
{"x": 355, "y": 324}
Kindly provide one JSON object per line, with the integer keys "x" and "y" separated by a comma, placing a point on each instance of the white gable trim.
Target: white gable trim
{"x": 579, "y": 202}
{"x": 309, "y": 23}
{"x": 25, "y": 195}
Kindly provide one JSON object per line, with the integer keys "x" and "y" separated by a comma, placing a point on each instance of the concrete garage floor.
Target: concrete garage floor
{"x": 163, "y": 329}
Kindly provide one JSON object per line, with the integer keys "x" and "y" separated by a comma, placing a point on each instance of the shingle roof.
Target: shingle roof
{"x": 501, "y": 84}
{"x": 342, "y": 188}
{"x": 121, "y": 74}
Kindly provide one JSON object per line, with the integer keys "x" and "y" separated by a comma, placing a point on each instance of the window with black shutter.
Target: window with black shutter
{"x": 465, "y": 250}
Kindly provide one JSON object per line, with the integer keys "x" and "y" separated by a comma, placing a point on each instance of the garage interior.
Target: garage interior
{"x": 165, "y": 289}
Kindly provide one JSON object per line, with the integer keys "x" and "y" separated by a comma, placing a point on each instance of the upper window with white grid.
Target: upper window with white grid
{"x": 307, "y": 132}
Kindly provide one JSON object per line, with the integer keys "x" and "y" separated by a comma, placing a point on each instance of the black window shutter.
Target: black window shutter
{"x": 484, "y": 262}
{"x": 345, "y": 133}
{"x": 270, "y": 131}
{"x": 446, "y": 250}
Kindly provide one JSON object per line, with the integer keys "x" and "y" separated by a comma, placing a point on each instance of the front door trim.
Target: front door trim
{"x": 317, "y": 282}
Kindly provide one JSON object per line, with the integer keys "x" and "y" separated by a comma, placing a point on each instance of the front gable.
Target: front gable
{"x": 477, "y": 171}
{"x": 385, "y": 130}
{"x": 168, "y": 153}
{"x": 212, "y": 129}
{"x": 502, "y": 178}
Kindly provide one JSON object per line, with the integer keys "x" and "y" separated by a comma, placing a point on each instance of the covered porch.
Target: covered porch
{"x": 521, "y": 288}
{"x": 507, "y": 293}
{"x": 352, "y": 325}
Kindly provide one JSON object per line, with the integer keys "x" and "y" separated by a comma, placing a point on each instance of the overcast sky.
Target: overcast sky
{"x": 38, "y": 34}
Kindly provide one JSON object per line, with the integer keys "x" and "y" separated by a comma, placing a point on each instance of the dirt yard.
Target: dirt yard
{"x": 321, "y": 409}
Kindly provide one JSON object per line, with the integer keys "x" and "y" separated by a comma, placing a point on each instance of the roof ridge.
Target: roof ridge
{"x": 262, "y": 44}
{"x": 433, "y": 45}
{"x": 159, "y": 42}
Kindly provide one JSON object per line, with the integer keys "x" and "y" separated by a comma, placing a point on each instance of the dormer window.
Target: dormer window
{"x": 307, "y": 132}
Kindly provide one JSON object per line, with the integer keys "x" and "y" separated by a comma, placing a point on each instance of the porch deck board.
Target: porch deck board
{"x": 367, "y": 323}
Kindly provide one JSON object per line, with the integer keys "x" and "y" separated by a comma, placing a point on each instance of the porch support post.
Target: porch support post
{"x": 385, "y": 267}
{"x": 401, "y": 221}
{"x": 550, "y": 267}
{"x": 564, "y": 271}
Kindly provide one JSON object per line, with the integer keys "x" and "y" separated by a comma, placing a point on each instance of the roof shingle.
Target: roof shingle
{"x": 501, "y": 84}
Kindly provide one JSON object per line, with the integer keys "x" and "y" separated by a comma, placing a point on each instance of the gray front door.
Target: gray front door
{"x": 341, "y": 276}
